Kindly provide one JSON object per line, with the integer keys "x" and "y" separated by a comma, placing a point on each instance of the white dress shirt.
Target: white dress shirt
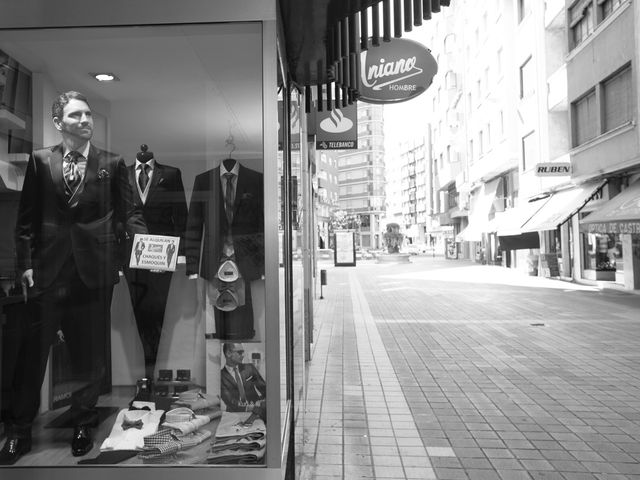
{"x": 152, "y": 165}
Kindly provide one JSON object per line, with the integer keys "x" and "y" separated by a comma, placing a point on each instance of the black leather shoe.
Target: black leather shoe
{"x": 82, "y": 441}
{"x": 13, "y": 449}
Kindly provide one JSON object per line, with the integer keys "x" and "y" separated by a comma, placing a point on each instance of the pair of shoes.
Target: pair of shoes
{"x": 82, "y": 441}
{"x": 13, "y": 449}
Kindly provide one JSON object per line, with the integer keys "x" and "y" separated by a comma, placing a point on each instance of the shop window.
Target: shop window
{"x": 603, "y": 252}
{"x": 617, "y": 100}
{"x": 584, "y": 118}
{"x": 184, "y": 325}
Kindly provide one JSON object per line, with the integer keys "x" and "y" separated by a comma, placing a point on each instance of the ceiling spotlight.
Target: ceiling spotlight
{"x": 105, "y": 77}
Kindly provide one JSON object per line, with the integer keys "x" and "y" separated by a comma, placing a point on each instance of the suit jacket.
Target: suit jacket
{"x": 254, "y": 386}
{"x": 165, "y": 211}
{"x": 207, "y": 225}
{"x": 49, "y": 230}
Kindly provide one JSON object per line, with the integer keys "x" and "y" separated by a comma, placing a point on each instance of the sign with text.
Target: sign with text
{"x": 344, "y": 253}
{"x": 337, "y": 129}
{"x": 154, "y": 252}
{"x": 396, "y": 71}
{"x": 556, "y": 169}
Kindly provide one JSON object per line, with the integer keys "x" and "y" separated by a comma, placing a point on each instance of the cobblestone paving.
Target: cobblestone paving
{"x": 451, "y": 370}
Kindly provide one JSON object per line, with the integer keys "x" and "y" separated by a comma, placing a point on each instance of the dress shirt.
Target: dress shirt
{"x": 132, "y": 438}
{"x": 232, "y": 426}
{"x": 152, "y": 165}
{"x": 166, "y": 442}
{"x": 190, "y": 426}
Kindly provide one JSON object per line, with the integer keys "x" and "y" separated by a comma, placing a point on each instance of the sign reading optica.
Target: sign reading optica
{"x": 396, "y": 71}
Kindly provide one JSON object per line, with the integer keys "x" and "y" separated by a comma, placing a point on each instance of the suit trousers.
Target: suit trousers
{"x": 149, "y": 292}
{"x": 83, "y": 315}
{"x": 236, "y": 324}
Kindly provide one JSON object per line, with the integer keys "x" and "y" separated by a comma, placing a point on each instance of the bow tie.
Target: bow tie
{"x": 127, "y": 424}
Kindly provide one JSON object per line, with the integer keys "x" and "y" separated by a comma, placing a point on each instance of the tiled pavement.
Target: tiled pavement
{"x": 429, "y": 371}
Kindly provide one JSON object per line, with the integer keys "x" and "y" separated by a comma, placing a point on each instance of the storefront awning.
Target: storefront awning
{"x": 510, "y": 222}
{"x": 469, "y": 234}
{"x": 561, "y": 206}
{"x": 621, "y": 214}
{"x": 479, "y": 215}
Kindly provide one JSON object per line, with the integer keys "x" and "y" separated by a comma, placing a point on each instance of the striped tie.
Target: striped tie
{"x": 72, "y": 173}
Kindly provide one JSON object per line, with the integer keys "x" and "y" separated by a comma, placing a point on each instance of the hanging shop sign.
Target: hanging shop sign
{"x": 337, "y": 129}
{"x": 554, "y": 169}
{"x": 396, "y": 71}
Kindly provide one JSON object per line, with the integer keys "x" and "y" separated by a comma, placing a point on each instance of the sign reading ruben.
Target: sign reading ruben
{"x": 396, "y": 71}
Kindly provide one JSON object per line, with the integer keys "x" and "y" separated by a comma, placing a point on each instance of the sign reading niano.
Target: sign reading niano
{"x": 555, "y": 169}
{"x": 396, "y": 71}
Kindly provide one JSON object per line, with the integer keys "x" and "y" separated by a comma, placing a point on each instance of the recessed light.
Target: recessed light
{"x": 105, "y": 77}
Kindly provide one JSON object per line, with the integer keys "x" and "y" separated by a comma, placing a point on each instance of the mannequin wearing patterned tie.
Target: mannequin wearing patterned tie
{"x": 159, "y": 193}
{"x": 220, "y": 216}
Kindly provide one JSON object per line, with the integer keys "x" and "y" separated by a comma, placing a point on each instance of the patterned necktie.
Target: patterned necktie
{"x": 243, "y": 396}
{"x": 143, "y": 178}
{"x": 71, "y": 172}
{"x": 229, "y": 196}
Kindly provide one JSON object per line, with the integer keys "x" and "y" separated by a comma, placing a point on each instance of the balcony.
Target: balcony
{"x": 557, "y": 96}
{"x": 554, "y": 14}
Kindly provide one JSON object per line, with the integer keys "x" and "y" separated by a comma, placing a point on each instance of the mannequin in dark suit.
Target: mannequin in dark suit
{"x": 254, "y": 388}
{"x": 164, "y": 208}
{"x": 208, "y": 228}
{"x": 68, "y": 264}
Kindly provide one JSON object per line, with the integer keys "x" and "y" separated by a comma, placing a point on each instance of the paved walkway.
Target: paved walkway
{"x": 451, "y": 370}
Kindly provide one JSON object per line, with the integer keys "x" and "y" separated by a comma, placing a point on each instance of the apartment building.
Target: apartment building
{"x": 602, "y": 73}
{"x": 326, "y": 194}
{"x": 361, "y": 176}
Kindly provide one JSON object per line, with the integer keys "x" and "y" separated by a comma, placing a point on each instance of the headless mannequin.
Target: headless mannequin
{"x": 165, "y": 212}
{"x": 229, "y": 163}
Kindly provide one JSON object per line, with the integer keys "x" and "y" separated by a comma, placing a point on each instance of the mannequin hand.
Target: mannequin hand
{"x": 27, "y": 282}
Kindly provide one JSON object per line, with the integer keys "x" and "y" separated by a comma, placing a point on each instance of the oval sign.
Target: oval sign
{"x": 396, "y": 71}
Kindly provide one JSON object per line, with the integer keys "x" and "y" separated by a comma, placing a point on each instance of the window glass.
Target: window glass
{"x": 527, "y": 78}
{"x": 529, "y": 150}
{"x": 581, "y": 21}
{"x": 585, "y": 119}
{"x": 607, "y": 7}
{"x": 617, "y": 100}
{"x": 138, "y": 210}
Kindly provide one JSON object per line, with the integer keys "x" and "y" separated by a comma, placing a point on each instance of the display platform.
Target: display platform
{"x": 51, "y": 445}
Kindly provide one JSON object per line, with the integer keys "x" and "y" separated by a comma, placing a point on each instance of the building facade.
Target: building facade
{"x": 361, "y": 176}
